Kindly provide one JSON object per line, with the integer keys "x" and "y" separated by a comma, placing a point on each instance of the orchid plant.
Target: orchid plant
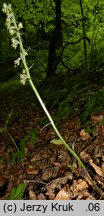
{"x": 16, "y": 40}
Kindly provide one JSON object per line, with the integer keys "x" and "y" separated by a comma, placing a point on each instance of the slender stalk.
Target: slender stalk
{"x": 13, "y": 141}
{"x": 45, "y": 109}
{"x": 50, "y": 118}
{"x": 12, "y": 21}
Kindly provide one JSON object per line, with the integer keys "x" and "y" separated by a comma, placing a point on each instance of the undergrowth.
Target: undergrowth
{"x": 65, "y": 102}
{"x": 93, "y": 104}
{"x": 72, "y": 98}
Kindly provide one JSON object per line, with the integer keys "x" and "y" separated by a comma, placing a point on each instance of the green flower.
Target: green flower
{"x": 17, "y": 62}
{"x": 7, "y": 8}
{"x": 15, "y": 42}
{"x": 23, "y": 77}
{"x": 20, "y": 26}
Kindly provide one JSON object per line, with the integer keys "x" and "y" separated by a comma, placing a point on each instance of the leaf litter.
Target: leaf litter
{"x": 47, "y": 169}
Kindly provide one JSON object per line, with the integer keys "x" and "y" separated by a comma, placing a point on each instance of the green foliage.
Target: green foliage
{"x": 35, "y": 11}
{"x": 31, "y": 139}
{"x": 70, "y": 105}
{"x": 44, "y": 120}
{"x": 94, "y": 104}
{"x": 18, "y": 155}
{"x": 5, "y": 130}
{"x": 2, "y": 130}
{"x": 20, "y": 149}
{"x": 73, "y": 97}
{"x": 38, "y": 71}
{"x": 17, "y": 193}
{"x": 32, "y": 13}
{"x": 56, "y": 142}
{"x": 32, "y": 136}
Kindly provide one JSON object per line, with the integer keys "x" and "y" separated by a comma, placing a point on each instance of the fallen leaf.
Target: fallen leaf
{"x": 32, "y": 195}
{"x": 90, "y": 197}
{"x": 62, "y": 195}
{"x": 63, "y": 157}
{"x": 41, "y": 197}
{"x": 20, "y": 179}
{"x": 97, "y": 169}
{"x": 84, "y": 195}
{"x": 88, "y": 180}
{"x": 79, "y": 197}
{"x": 50, "y": 194}
{"x": 57, "y": 164}
{"x": 84, "y": 156}
{"x": 102, "y": 166}
{"x": 36, "y": 158}
{"x": 79, "y": 185}
{"x": 84, "y": 135}
{"x": 99, "y": 151}
{"x": 32, "y": 171}
{"x": 49, "y": 173}
{"x": 96, "y": 118}
{"x": 102, "y": 129}
{"x": 57, "y": 184}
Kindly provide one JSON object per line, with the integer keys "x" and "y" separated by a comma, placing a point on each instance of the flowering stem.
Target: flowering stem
{"x": 49, "y": 116}
{"x": 44, "y": 107}
{"x": 23, "y": 58}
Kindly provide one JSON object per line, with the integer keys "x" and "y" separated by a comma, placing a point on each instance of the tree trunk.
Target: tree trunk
{"x": 55, "y": 41}
{"x": 84, "y": 38}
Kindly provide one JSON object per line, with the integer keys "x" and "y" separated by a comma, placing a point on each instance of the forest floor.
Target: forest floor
{"x": 48, "y": 170}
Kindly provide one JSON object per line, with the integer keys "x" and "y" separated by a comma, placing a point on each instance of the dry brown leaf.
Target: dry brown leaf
{"x": 50, "y": 194}
{"x": 78, "y": 186}
{"x": 41, "y": 197}
{"x": 37, "y": 157}
{"x": 84, "y": 135}
{"x": 82, "y": 194}
{"x": 63, "y": 156}
{"x": 49, "y": 173}
{"x": 99, "y": 150}
{"x": 32, "y": 195}
{"x": 85, "y": 156}
{"x": 102, "y": 166}
{"x": 57, "y": 164}
{"x": 96, "y": 118}
{"x": 90, "y": 197}
{"x": 57, "y": 184}
{"x": 97, "y": 169}
{"x": 20, "y": 179}
{"x": 88, "y": 180}
{"x": 32, "y": 171}
{"x": 62, "y": 195}
{"x": 102, "y": 129}
{"x": 79, "y": 197}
